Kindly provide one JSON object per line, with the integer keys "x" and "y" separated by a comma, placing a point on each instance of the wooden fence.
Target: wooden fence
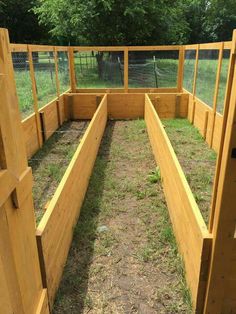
{"x": 208, "y": 252}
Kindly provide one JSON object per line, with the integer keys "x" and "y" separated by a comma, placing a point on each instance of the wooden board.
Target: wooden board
{"x": 200, "y": 115}
{"x": 29, "y": 126}
{"x": 81, "y": 106}
{"x": 125, "y": 106}
{"x": 50, "y": 118}
{"x": 55, "y": 230}
{"x": 191, "y": 233}
{"x": 217, "y": 132}
{"x": 170, "y": 105}
{"x": 130, "y": 90}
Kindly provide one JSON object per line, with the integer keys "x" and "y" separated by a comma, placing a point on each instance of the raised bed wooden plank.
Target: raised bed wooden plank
{"x": 170, "y": 105}
{"x": 55, "y": 230}
{"x": 190, "y": 229}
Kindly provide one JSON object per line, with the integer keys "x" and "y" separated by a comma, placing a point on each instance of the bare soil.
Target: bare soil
{"x": 123, "y": 258}
{"x": 50, "y": 162}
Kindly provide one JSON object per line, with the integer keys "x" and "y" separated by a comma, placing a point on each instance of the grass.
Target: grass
{"x": 50, "y": 162}
{"x": 196, "y": 158}
{"x": 124, "y": 256}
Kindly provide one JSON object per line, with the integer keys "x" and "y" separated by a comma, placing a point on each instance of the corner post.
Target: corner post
{"x": 72, "y": 69}
{"x": 180, "y": 70}
{"x": 224, "y": 217}
{"x": 20, "y": 276}
{"x": 195, "y": 84}
{"x": 126, "y": 69}
{"x": 35, "y": 97}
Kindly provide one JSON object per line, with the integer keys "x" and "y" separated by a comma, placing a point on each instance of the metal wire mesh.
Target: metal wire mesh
{"x": 23, "y": 83}
{"x": 206, "y": 75}
{"x": 99, "y": 69}
{"x": 153, "y": 69}
{"x": 45, "y": 75}
{"x": 223, "y": 81}
{"x": 189, "y": 67}
{"x": 63, "y": 71}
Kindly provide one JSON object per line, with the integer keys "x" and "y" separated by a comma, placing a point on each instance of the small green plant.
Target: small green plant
{"x": 55, "y": 171}
{"x": 155, "y": 176}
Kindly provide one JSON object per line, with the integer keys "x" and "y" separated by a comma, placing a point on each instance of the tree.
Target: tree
{"x": 17, "y": 16}
{"x": 110, "y": 22}
{"x": 221, "y": 20}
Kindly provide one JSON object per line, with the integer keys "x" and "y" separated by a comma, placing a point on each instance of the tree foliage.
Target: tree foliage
{"x": 123, "y": 22}
{"x": 18, "y": 17}
{"x": 111, "y": 22}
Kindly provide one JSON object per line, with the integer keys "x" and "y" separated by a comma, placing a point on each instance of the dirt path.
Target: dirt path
{"x": 49, "y": 163}
{"x": 196, "y": 158}
{"x": 123, "y": 258}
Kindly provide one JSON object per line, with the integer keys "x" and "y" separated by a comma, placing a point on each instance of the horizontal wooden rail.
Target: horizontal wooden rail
{"x": 191, "y": 232}
{"x": 55, "y": 231}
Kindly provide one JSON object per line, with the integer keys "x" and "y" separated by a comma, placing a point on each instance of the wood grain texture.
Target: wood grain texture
{"x": 184, "y": 212}
{"x": 170, "y": 105}
{"x": 29, "y": 126}
{"x": 51, "y": 118}
{"x": 56, "y": 227}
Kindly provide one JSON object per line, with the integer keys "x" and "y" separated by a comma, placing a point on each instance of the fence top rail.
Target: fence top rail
{"x": 35, "y": 48}
{"x": 209, "y": 46}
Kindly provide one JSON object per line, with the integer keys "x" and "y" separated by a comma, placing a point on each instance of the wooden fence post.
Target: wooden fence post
{"x": 194, "y": 84}
{"x": 21, "y": 288}
{"x": 57, "y": 85}
{"x": 35, "y": 97}
{"x": 216, "y": 91}
{"x": 180, "y": 70}
{"x": 72, "y": 70}
{"x": 126, "y": 69}
{"x": 221, "y": 281}
{"x": 56, "y": 71}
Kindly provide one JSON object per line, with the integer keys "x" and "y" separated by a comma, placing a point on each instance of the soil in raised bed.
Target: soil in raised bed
{"x": 196, "y": 158}
{"x": 50, "y": 162}
{"x": 123, "y": 258}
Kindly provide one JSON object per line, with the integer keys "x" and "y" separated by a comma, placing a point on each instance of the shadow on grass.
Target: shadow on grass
{"x": 72, "y": 293}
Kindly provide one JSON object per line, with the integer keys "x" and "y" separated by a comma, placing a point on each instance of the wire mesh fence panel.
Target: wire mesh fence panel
{"x": 223, "y": 81}
{"x": 23, "y": 83}
{"x": 45, "y": 75}
{"x": 99, "y": 69}
{"x": 206, "y": 75}
{"x": 63, "y": 71}
{"x": 189, "y": 67}
{"x": 153, "y": 69}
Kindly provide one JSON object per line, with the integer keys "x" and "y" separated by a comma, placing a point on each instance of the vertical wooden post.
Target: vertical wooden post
{"x": 195, "y": 84}
{"x": 20, "y": 279}
{"x": 35, "y": 97}
{"x": 180, "y": 70}
{"x": 56, "y": 71}
{"x": 72, "y": 70}
{"x": 57, "y": 85}
{"x": 228, "y": 91}
{"x": 126, "y": 69}
{"x": 216, "y": 91}
{"x": 224, "y": 218}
